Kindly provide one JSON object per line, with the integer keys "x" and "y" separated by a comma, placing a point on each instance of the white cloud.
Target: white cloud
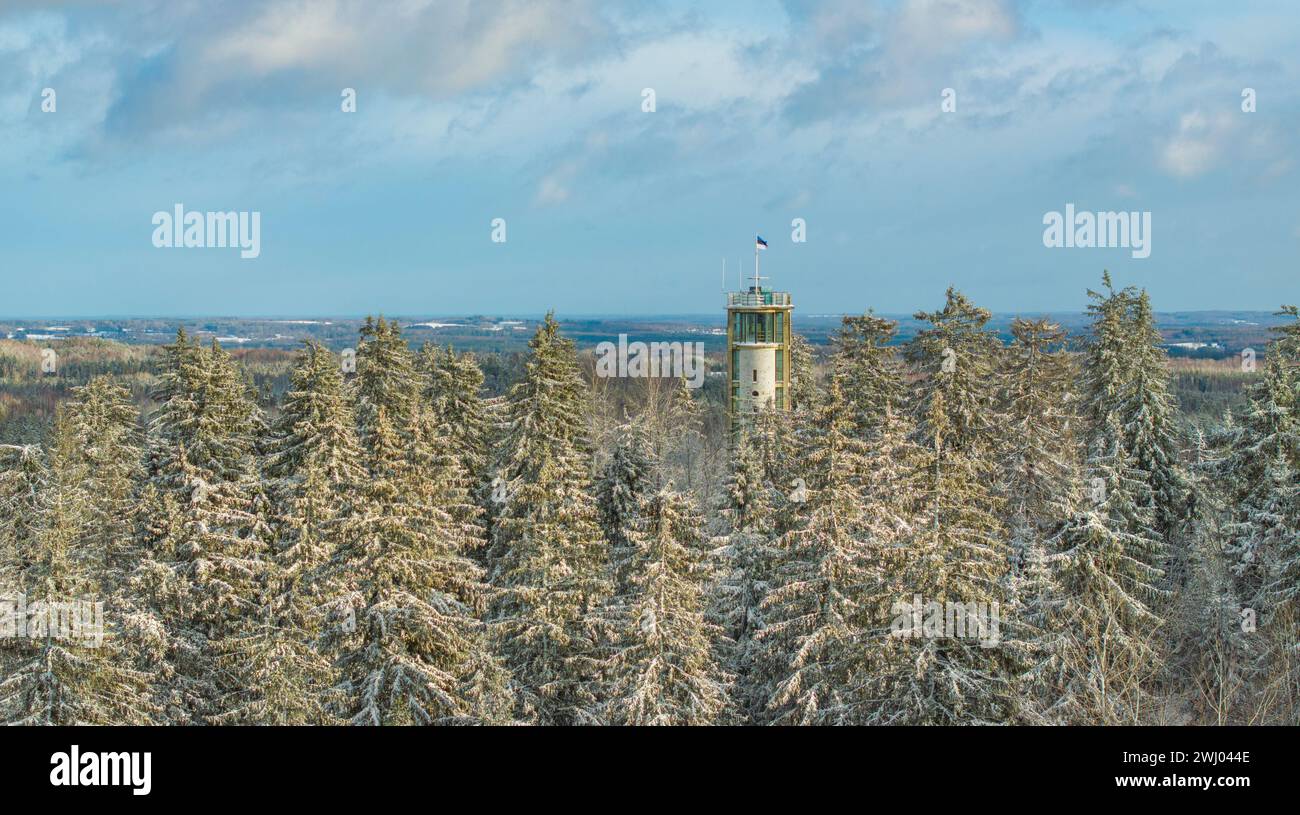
{"x": 554, "y": 187}
{"x": 1198, "y": 143}
{"x": 943, "y": 26}
{"x": 434, "y": 47}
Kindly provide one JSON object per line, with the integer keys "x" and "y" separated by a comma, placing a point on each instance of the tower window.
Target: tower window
{"x": 755, "y": 374}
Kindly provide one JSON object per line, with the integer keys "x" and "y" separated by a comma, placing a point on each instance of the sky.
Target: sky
{"x": 535, "y": 112}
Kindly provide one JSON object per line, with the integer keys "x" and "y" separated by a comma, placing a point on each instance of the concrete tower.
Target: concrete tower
{"x": 758, "y": 349}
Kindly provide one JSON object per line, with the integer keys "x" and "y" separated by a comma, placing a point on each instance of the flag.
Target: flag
{"x": 759, "y": 243}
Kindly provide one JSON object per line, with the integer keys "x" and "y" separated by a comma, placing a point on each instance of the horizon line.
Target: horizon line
{"x": 542, "y": 315}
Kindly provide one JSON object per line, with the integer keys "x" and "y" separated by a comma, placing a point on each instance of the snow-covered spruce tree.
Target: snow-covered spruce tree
{"x": 1210, "y": 655}
{"x": 1039, "y": 472}
{"x": 386, "y": 378}
{"x": 441, "y": 483}
{"x": 105, "y": 424}
{"x": 1105, "y": 567}
{"x": 452, "y": 385}
{"x": 627, "y": 477}
{"x": 956, "y": 552}
{"x": 803, "y": 375}
{"x": 1034, "y": 626}
{"x": 410, "y": 650}
{"x": 957, "y": 422}
{"x": 870, "y": 373}
{"x": 874, "y": 389}
{"x": 826, "y": 590}
{"x": 1125, "y": 377}
{"x": 1259, "y": 467}
{"x": 453, "y": 388}
{"x": 206, "y": 533}
{"x": 1261, "y": 434}
{"x": 1108, "y": 361}
{"x": 746, "y": 555}
{"x": 24, "y": 479}
{"x": 312, "y": 465}
{"x": 1150, "y": 432}
{"x": 1273, "y": 513}
{"x": 956, "y": 357}
{"x": 687, "y": 433}
{"x": 781, "y": 440}
{"x": 550, "y": 561}
{"x": 23, "y": 475}
{"x": 70, "y": 668}
{"x": 662, "y": 670}
{"x": 1039, "y": 466}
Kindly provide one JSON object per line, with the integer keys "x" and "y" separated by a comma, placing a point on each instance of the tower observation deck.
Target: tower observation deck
{"x": 758, "y": 351}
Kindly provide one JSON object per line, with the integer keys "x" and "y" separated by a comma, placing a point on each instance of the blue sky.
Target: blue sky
{"x": 532, "y": 112}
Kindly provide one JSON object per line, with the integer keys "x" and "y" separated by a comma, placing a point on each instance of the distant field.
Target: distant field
{"x": 1204, "y": 350}
{"x": 1202, "y": 334}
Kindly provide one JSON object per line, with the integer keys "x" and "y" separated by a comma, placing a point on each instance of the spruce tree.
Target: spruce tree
{"x": 662, "y": 669}
{"x": 781, "y": 440}
{"x": 1264, "y": 434}
{"x": 1035, "y": 631}
{"x": 1106, "y": 551}
{"x": 818, "y": 615}
{"x": 386, "y": 378}
{"x": 626, "y": 479}
{"x": 956, "y": 356}
{"x": 24, "y": 482}
{"x": 956, "y": 552}
{"x": 550, "y": 563}
{"x": 874, "y": 389}
{"x": 870, "y": 374}
{"x": 23, "y": 476}
{"x": 1108, "y": 360}
{"x": 1151, "y": 436}
{"x": 105, "y": 426}
{"x": 1273, "y": 512}
{"x": 70, "y": 668}
{"x": 803, "y": 374}
{"x": 1211, "y": 653}
{"x": 206, "y": 536}
{"x": 454, "y": 385}
{"x": 1039, "y": 474}
{"x": 410, "y": 648}
{"x": 1126, "y": 380}
{"x": 746, "y": 555}
{"x": 1039, "y": 458}
{"x": 312, "y": 465}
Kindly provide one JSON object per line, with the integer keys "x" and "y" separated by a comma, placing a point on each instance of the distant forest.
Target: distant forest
{"x": 453, "y": 537}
